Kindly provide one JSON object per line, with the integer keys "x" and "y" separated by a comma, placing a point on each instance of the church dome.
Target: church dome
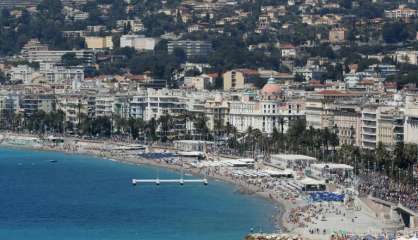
{"x": 271, "y": 88}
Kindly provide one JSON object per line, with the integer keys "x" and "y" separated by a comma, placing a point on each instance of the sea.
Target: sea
{"x": 52, "y": 195}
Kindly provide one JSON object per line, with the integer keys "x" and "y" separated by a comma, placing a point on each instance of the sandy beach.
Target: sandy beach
{"x": 295, "y": 214}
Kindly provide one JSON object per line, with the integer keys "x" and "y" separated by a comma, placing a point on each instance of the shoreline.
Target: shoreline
{"x": 277, "y": 218}
{"x": 294, "y": 214}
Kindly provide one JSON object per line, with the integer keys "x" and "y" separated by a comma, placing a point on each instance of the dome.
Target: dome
{"x": 271, "y": 87}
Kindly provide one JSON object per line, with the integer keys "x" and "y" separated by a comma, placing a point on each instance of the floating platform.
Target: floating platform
{"x": 180, "y": 181}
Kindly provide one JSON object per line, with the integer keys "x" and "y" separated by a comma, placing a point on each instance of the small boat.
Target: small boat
{"x": 53, "y": 161}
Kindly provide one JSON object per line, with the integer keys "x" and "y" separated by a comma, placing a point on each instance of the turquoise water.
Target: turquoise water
{"x": 82, "y": 197}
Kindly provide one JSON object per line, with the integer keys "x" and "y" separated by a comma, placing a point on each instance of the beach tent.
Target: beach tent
{"x": 310, "y": 184}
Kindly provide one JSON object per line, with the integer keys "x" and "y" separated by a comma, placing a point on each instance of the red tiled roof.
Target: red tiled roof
{"x": 247, "y": 71}
{"x": 286, "y": 46}
{"x": 367, "y": 82}
{"x": 214, "y": 75}
{"x": 314, "y": 82}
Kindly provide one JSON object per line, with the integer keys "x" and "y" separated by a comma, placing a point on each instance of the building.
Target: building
{"x": 288, "y": 51}
{"x": 265, "y": 111}
{"x": 73, "y": 34}
{"x": 104, "y": 106}
{"x": 134, "y": 25}
{"x": 31, "y": 103}
{"x": 239, "y": 79}
{"x": 33, "y": 45}
{"x": 76, "y": 105}
{"x": 200, "y": 82}
{"x": 406, "y": 56}
{"x": 21, "y": 73}
{"x": 19, "y": 3}
{"x": 310, "y": 72}
{"x": 191, "y": 48}
{"x": 347, "y": 122}
{"x": 411, "y": 120}
{"x": 337, "y": 35}
{"x": 93, "y": 42}
{"x": 49, "y": 56}
{"x": 321, "y": 106}
{"x": 139, "y": 42}
{"x": 217, "y": 112}
{"x": 402, "y": 12}
{"x": 63, "y": 75}
{"x": 9, "y": 104}
{"x": 381, "y": 124}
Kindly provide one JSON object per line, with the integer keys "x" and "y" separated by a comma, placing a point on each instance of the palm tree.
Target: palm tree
{"x": 184, "y": 118}
{"x": 121, "y": 124}
{"x": 382, "y": 157}
{"x": 166, "y": 123}
{"x": 150, "y": 129}
{"x": 199, "y": 123}
{"x": 134, "y": 126}
{"x": 17, "y": 121}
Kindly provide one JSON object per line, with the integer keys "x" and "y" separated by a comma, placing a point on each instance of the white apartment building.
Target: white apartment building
{"x": 9, "y": 102}
{"x": 104, "y": 106}
{"x": 59, "y": 74}
{"x": 135, "y": 25}
{"x": 139, "y": 42}
{"x": 22, "y": 73}
{"x": 265, "y": 111}
{"x": 73, "y": 105}
{"x": 47, "y": 56}
{"x": 406, "y": 56}
{"x": 262, "y": 115}
{"x": 150, "y": 103}
{"x": 402, "y": 12}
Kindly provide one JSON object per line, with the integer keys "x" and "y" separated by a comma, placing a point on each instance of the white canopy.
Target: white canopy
{"x": 311, "y": 181}
{"x": 332, "y": 166}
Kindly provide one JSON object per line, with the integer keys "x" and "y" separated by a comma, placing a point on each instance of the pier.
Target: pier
{"x": 180, "y": 181}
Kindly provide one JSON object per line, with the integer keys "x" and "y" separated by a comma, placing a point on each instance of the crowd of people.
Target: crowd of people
{"x": 313, "y": 213}
{"x": 382, "y": 187}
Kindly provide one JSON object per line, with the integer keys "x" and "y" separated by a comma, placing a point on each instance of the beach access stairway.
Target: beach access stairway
{"x": 380, "y": 211}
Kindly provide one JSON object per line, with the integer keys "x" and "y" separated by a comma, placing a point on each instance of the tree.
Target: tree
{"x": 166, "y": 125}
{"x": 51, "y": 9}
{"x": 135, "y": 127}
{"x": 395, "y": 32}
{"x": 101, "y": 126}
{"x": 382, "y": 157}
{"x": 180, "y": 55}
{"x": 150, "y": 129}
{"x": 70, "y": 59}
{"x": 199, "y": 123}
{"x": 3, "y": 78}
